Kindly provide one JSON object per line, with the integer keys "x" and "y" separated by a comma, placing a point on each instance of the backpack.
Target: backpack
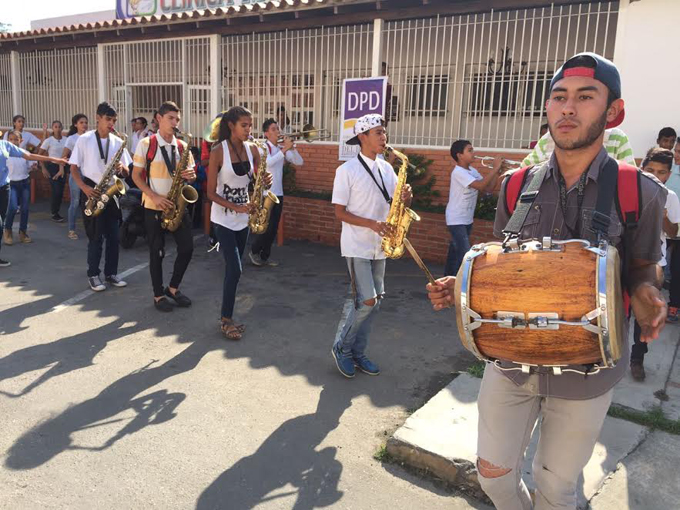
{"x": 151, "y": 153}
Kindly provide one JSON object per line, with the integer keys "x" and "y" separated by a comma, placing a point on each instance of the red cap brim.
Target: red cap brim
{"x": 617, "y": 121}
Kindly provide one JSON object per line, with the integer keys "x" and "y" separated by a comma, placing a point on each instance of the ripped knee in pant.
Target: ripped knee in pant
{"x": 488, "y": 470}
{"x": 370, "y": 302}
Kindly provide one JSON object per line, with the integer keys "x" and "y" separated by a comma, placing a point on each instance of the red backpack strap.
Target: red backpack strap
{"x": 628, "y": 206}
{"x": 628, "y": 197}
{"x": 513, "y": 188}
{"x": 180, "y": 148}
{"x": 150, "y": 154}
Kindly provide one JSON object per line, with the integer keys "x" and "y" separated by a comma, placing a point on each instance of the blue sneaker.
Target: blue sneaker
{"x": 366, "y": 365}
{"x": 344, "y": 364}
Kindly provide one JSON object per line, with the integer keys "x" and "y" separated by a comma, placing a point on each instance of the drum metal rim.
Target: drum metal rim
{"x": 468, "y": 325}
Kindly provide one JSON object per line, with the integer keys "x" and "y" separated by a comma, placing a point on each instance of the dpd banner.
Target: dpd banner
{"x": 360, "y": 96}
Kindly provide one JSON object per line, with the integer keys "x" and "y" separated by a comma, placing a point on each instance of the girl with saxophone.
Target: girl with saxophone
{"x": 233, "y": 164}
{"x": 154, "y": 172}
{"x": 362, "y": 194}
{"x": 92, "y": 155}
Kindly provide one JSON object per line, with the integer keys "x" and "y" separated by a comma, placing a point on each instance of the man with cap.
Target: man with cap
{"x": 585, "y": 97}
{"x": 362, "y": 194}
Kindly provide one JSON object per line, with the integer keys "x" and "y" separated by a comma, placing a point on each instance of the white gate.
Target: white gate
{"x": 139, "y": 76}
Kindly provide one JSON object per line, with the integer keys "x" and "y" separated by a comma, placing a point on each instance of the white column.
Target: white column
{"x": 215, "y": 76}
{"x": 101, "y": 75}
{"x": 16, "y": 91}
{"x": 376, "y": 64}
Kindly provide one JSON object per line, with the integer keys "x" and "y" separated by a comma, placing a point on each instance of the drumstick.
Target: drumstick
{"x": 419, "y": 261}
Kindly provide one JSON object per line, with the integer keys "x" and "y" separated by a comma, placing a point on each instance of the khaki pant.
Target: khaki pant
{"x": 568, "y": 432}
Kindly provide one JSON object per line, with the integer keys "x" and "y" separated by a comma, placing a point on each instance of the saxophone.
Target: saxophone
{"x": 95, "y": 206}
{"x": 264, "y": 199}
{"x": 180, "y": 195}
{"x": 400, "y": 217}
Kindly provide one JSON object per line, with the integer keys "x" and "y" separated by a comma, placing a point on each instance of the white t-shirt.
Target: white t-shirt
{"x": 462, "y": 198}
{"x": 275, "y": 161}
{"x": 136, "y": 137}
{"x": 87, "y": 158}
{"x": 673, "y": 209}
{"x": 233, "y": 188}
{"x": 26, "y": 138}
{"x": 54, "y": 147}
{"x": 18, "y": 168}
{"x": 71, "y": 141}
{"x": 357, "y": 191}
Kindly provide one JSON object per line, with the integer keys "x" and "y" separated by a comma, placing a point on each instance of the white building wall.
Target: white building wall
{"x": 646, "y": 45}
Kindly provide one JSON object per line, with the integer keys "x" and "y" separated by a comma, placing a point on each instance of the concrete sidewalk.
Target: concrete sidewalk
{"x": 441, "y": 438}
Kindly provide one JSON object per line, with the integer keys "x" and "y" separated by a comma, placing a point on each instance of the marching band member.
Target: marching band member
{"x": 276, "y": 157}
{"x": 90, "y": 157}
{"x": 9, "y": 150}
{"x": 362, "y": 193}
{"x": 233, "y": 163}
{"x": 585, "y": 97}
{"x": 54, "y": 146}
{"x": 153, "y": 173}
{"x": 79, "y": 125}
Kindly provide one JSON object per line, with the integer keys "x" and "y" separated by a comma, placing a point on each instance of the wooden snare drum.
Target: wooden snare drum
{"x": 549, "y": 303}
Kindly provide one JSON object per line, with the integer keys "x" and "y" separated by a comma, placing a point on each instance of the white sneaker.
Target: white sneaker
{"x": 96, "y": 283}
{"x": 256, "y": 259}
{"x": 115, "y": 281}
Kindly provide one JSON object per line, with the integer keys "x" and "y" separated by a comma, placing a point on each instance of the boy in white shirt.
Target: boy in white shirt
{"x": 276, "y": 157}
{"x": 362, "y": 194}
{"x": 466, "y": 183}
{"x": 658, "y": 162}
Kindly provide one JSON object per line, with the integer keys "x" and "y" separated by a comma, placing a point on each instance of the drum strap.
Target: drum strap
{"x": 526, "y": 199}
{"x": 606, "y": 190}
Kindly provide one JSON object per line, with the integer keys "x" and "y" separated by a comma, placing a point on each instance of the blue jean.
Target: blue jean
{"x": 367, "y": 281}
{"x": 458, "y": 247}
{"x": 74, "y": 206}
{"x": 20, "y": 197}
{"x": 232, "y": 246}
{"x": 4, "y": 205}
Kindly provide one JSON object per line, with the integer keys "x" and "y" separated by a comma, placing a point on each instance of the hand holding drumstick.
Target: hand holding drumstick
{"x": 441, "y": 292}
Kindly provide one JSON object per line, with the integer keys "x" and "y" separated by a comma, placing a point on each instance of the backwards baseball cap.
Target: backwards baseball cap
{"x": 594, "y": 66}
{"x": 364, "y": 124}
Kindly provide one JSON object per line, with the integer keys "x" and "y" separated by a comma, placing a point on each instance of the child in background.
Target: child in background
{"x": 20, "y": 192}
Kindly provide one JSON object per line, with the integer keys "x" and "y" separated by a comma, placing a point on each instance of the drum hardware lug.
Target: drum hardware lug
{"x": 547, "y": 243}
{"x": 526, "y": 369}
{"x": 509, "y": 320}
{"x": 511, "y": 244}
{"x": 557, "y": 370}
{"x": 542, "y": 321}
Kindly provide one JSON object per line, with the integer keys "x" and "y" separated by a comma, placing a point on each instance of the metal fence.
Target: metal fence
{"x": 299, "y": 70}
{"x": 484, "y": 76}
{"x": 56, "y": 84}
{"x": 141, "y": 75}
{"x": 6, "y": 108}
{"x": 480, "y": 76}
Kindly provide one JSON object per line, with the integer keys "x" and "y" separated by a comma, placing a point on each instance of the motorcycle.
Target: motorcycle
{"x": 132, "y": 212}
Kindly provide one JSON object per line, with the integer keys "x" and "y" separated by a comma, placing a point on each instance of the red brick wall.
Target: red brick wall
{"x": 313, "y": 220}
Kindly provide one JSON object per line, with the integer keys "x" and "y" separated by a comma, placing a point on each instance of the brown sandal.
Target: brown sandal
{"x": 231, "y": 330}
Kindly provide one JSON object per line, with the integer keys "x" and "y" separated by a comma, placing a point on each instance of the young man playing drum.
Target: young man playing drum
{"x": 585, "y": 97}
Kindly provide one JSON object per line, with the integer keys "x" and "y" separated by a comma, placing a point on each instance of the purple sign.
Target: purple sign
{"x": 360, "y": 97}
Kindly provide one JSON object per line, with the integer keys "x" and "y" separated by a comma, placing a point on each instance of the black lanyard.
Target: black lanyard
{"x": 170, "y": 164}
{"x": 102, "y": 154}
{"x": 573, "y": 231}
{"x": 383, "y": 188}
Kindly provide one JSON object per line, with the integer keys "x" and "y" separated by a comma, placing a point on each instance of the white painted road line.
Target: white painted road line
{"x": 87, "y": 293}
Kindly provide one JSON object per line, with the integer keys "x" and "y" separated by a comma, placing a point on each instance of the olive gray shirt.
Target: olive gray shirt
{"x": 546, "y": 219}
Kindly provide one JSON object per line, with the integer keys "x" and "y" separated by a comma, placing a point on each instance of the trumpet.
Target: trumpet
{"x": 309, "y": 134}
{"x": 487, "y": 161}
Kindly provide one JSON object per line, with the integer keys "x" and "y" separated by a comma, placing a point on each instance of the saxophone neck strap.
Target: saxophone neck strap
{"x": 170, "y": 163}
{"x": 103, "y": 155}
{"x": 383, "y": 188}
